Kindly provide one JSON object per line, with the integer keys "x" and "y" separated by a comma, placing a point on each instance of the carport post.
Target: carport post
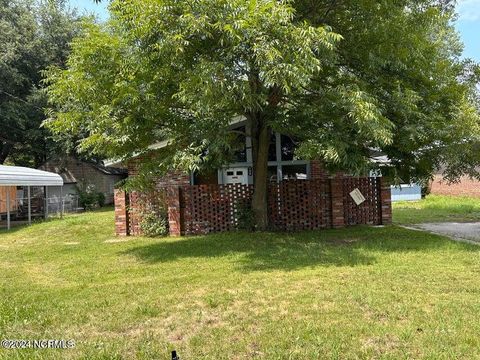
{"x": 8, "y": 208}
{"x": 61, "y": 202}
{"x": 46, "y": 202}
{"x": 29, "y": 206}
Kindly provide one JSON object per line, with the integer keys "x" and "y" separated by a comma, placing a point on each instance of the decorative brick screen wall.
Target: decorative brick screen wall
{"x": 293, "y": 205}
{"x": 212, "y": 208}
{"x": 368, "y": 213}
{"x": 300, "y": 205}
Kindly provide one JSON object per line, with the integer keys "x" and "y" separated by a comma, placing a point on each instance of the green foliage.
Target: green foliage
{"x": 153, "y": 213}
{"x": 154, "y": 225}
{"x": 34, "y": 35}
{"x": 246, "y": 217}
{"x": 89, "y": 198}
{"x": 101, "y": 199}
{"x": 342, "y": 77}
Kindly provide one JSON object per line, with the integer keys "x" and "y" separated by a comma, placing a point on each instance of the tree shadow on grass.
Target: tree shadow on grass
{"x": 281, "y": 251}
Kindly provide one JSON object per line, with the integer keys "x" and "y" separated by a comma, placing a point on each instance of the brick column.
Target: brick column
{"x": 317, "y": 170}
{"x": 386, "y": 201}
{"x": 121, "y": 212}
{"x": 338, "y": 215}
{"x": 173, "y": 204}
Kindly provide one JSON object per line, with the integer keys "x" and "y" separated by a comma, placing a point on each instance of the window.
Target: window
{"x": 230, "y": 173}
{"x": 272, "y": 149}
{"x": 239, "y": 173}
{"x": 240, "y": 145}
{"x": 294, "y": 172}
{"x": 272, "y": 173}
{"x": 287, "y": 147}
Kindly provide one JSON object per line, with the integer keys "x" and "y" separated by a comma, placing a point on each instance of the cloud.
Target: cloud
{"x": 469, "y": 10}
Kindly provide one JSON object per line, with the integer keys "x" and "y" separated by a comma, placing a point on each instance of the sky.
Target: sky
{"x": 468, "y": 23}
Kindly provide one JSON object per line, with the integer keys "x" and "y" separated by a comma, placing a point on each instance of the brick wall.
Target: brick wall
{"x": 162, "y": 193}
{"x": 317, "y": 170}
{"x": 121, "y": 213}
{"x": 466, "y": 187}
{"x": 321, "y": 202}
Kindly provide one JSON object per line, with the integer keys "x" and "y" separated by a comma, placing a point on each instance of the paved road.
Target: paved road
{"x": 457, "y": 231}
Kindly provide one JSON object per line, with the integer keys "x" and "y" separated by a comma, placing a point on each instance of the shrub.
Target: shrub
{"x": 153, "y": 213}
{"x": 100, "y": 199}
{"x": 245, "y": 217}
{"x": 153, "y": 225}
{"x": 89, "y": 198}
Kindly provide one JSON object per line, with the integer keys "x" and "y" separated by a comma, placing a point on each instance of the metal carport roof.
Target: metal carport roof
{"x": 22, "y": 176}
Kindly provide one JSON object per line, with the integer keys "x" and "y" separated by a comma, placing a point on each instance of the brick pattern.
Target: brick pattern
{"x": 337, "y": 194}
{"x": 321, "y": 202}
{"x": 212, "y": 208}
{"x": 300, "y": 205}
{"x": 161, "y": 196}
{"x": 140, "y": 202}
{"x": 367, "y": 213}
{"x": 317, "y": 170}
{"x": 174, "y": 211}
{"x": 465, "y": 187}
{"x": 386, "y": 201}
{"x": 121, "y": 213}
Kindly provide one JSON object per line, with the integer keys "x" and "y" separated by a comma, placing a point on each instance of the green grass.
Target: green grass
{"x": 387, "y": 293}
{"x": 437, "y": 208}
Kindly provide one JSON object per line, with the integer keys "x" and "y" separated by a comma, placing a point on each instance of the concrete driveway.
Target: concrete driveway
{"x": 469, "y": 232}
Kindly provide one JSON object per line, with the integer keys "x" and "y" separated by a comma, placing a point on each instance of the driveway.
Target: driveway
{"x": 469, "y": 232}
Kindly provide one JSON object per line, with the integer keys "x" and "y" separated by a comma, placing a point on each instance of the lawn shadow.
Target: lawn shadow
{"x": 257, "y": 251}
{"x": 283, "y": 251}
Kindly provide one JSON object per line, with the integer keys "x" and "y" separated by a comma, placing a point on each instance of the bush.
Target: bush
{"x": 153, "y": 225}
{"x": 245, "y": 217}
{"x": 100, "y": 199}
{"x": 90, "y": 198}
{"x": 153, "y": 211}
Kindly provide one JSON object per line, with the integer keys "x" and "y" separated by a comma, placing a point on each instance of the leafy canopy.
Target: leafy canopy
{"x": 343, "y": 77}
{"x": 34, "y": 36}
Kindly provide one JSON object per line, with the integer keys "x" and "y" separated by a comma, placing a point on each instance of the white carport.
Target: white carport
{"x": 13, "y": 176}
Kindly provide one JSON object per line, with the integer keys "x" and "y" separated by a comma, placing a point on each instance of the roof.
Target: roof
{"x": 161, "y": 144}
{"x": 22, "y": 176}
{"x": 71, "y": 169}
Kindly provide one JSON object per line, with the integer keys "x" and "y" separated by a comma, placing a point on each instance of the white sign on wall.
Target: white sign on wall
{"x": 357, "y": 196}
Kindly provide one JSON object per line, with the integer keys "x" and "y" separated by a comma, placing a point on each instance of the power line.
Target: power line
{"x": 20, "y": 99}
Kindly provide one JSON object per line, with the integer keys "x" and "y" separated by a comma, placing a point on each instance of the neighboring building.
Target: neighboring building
{"x": 79, "y": 174}
{"x": 406, "y": 192}
{"x": 465, "y": 187}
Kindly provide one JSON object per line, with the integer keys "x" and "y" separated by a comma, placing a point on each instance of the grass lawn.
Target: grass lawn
{"x": 436, "y": 208}
{"x": 385, "y": 293}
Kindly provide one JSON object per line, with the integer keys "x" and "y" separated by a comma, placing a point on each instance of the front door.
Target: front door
{"x": 235, "y": 176}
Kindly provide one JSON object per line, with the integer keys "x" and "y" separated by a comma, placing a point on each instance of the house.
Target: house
{"x": 301, "y": 194}
{"x": 79, "y": 174}
{"x": 406, "y": 192}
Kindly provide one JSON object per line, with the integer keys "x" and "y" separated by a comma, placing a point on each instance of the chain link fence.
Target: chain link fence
{"x": 18, "y": 211}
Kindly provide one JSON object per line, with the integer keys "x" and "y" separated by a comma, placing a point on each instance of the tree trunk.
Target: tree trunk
{"x": 260, "y": 142}
{"x": 5, "y": 149}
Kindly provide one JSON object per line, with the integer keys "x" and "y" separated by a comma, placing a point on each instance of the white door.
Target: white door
{"x": 235, "y": 176}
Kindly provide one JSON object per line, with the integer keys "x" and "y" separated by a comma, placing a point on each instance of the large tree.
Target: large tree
{"x": 33, "y": 36}
{"x": 344, "y": 77}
